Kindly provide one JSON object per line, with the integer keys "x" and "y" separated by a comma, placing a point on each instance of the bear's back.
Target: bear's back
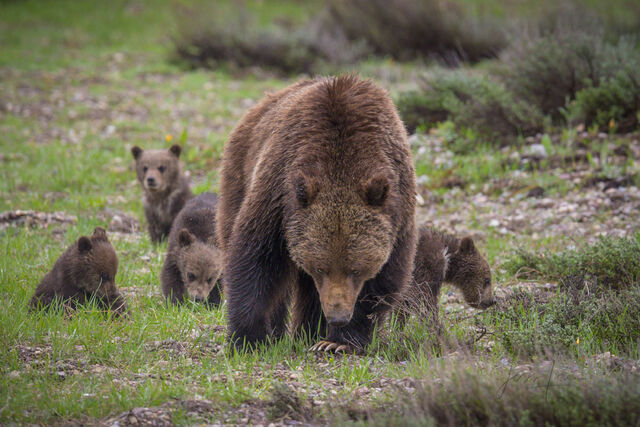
{"x": 199, "y": 217}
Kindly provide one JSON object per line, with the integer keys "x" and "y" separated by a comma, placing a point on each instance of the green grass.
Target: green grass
{"x": 77, "y": 108}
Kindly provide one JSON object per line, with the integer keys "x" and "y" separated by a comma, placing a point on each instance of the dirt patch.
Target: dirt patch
{"x": 33, "y": 219}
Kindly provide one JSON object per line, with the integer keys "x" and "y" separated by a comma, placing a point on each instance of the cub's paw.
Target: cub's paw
{"x": 333, "y": 347}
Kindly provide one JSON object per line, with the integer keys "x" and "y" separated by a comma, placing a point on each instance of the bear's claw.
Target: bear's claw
{"x": 330, "y": 346}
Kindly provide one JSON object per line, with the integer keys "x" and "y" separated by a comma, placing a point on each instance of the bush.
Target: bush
{"x": 550, "y": 71}
{"x": 470, "y": 101}
{"x": 549, "y": 395}
{"x": 610, "y": 263}
{"x": 206, "y": 37}
{"x": 616, "y": 98}
{"x": 342, "y": 33}
{"x": 409, "y": 29}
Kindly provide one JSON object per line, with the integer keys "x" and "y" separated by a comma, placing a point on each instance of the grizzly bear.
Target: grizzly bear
{"x": 317, "y": 205}
{"x": 441, "y": 257}
{"x": 193, "y": 263}
{"x": 85, "y": 271}
{"x": 165, "y": 187}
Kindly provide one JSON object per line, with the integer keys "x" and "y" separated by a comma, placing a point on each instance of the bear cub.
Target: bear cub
{"x": 165, "y": 187}
{"x": 441, "y": 257}
{"x": 85, "y": 271}
{"x": 193, "y": 263}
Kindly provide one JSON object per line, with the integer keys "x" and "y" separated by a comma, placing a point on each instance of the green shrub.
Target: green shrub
{"x": 409, "y": 29}
{"x": 533, "y": 395}
{"x": 550, "y": 71}
{"x": 207, "y": 36}
{"x": 617, "y": 96}
{"x": 472, "y": 101}
{"x": 610, "y": 263}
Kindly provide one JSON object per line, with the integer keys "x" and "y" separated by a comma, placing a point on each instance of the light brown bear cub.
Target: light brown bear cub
{"x": 165, "y": 187}
{"x": 193, "y": 263}
{"x": 85, "y": 271}
{"x": 440, "y": 258}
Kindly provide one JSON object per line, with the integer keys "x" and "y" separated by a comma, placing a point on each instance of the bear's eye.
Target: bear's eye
{"x": 104, "y": 277}
{"x": 487, "y": 283}
{"x": 145, "y": 169}
{"x": 161, "y": 169}
{"x": 355, "y": 273}
{"x": 191, "y": 277}
{"x": 209, "y": 280}
{"x": 319, "y": 271}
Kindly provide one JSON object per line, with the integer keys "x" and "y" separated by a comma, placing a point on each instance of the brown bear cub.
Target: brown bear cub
{"x": 193, "y": 263}
{"x": 85, "y": 271}
{"x": 165, "y": 187}
{"x": 317, "y": 205}
{"x": 440, "y": 258}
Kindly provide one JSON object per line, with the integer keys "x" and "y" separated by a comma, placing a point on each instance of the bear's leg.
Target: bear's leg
{"x": 215, "y": 296}
{"x": 279, "y": 320}
{"x": 378, "y": 296}
{"x": 254, "y": 275}
{"x": 171, "y": 280}
{"x": 308, "y": 320}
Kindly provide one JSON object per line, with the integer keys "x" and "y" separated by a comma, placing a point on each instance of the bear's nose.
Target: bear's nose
{"x": 338, "y": 318}
{"x": 151, "y": 180}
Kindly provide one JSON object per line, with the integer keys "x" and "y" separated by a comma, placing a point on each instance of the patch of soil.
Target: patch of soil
{"x": 34, "y": 219}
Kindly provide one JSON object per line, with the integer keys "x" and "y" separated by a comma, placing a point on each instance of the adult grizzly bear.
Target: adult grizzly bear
{"x": 317, "y": 202}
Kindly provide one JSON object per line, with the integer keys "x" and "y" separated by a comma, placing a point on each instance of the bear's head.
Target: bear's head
{"x": 200, "y": 265}
{"x": 157, "y": 170}
{"x": 340, "y": 236}
{"x": 95, "y": 263}
{"x": 470, "y": 272}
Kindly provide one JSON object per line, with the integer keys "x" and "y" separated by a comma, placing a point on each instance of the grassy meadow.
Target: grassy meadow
{"x": 555, "y": 212}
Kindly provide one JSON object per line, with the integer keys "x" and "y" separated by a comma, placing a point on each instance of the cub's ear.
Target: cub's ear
{"x": 136, "y": 151}
{"x": 467, "y": 246}
{"x": 99, "y": 233}
{"x": 185, "y": 238}
{"x": 305, "y": 188}
{"x": 376, "y": 190}
{"x": 84, "y": 244}
{"x": 175, "y": 150}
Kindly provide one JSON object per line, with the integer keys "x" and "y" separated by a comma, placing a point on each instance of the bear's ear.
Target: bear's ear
{"x": 305, "y": 188}
{"x": 84, "y": 244}
{"x": 99, "y": 233}
{"x": 376, "y": 190}
{"x": 185, "y": 238}
{"x": 467, "y": 246}
{"x": 175, "y": 150}
{"x": 136, "y": 151}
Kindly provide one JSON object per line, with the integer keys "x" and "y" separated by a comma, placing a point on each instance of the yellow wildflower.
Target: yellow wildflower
{"x": 168, "y": 137}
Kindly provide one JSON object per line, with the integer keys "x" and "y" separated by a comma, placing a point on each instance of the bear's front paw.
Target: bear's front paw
{"x": 333, "y": 347}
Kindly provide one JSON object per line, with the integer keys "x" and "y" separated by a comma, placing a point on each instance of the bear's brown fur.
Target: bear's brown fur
{"x": 85, "y": 271}
{"x": 165, "y": 187}
{"x": 317, "y": 202}
{"x": 441, "y": 257}
{"x": 193, "y": 263}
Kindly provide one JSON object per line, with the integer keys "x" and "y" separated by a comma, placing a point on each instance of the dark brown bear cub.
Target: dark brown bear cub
{"x": 165, "y": 187}
{"x": 86, "y": 271}
{"x": 442, "y": 258}
{"x": 317, "y": 203}
{"x": 193, "y": 263}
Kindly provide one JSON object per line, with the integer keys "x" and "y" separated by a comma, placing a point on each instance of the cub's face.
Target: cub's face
{"x": 157, "y": 169}
{"x": 473, "y": 276}
{"x": 341, "y": 240}
{"x": 200, "y": 266}
{"x": 97, "y": 263}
